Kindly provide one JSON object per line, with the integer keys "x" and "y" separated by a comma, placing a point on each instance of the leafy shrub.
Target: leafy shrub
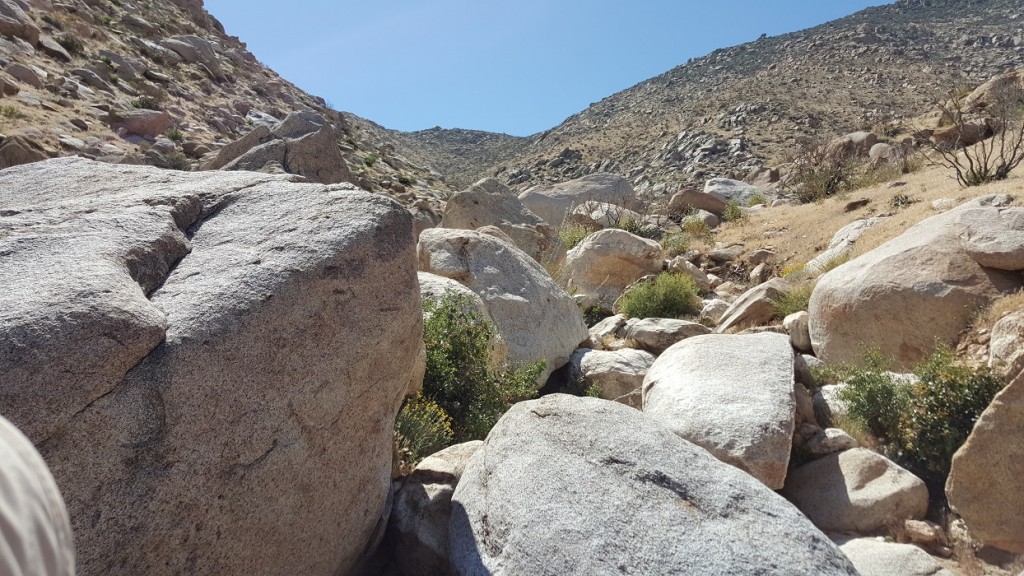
{"x": 177, "y": 161}
{"x": 922, "y": 424}
{"x": 733, "y": 212}
{"x": 696, "y": 228}
{"x": 793, "y": 300}
{"x": 422, "y": 428}
{"x": 675, "y": 244}
{"x": 460, "y": 376}
{"x": 756, "y": 199}
{"x": 638, "y": 228}
{"x": 670, "y": 295}
{"x": 406, "y": 180}
{"x": 68, "y": 42}
{"x": 371, "y": 159}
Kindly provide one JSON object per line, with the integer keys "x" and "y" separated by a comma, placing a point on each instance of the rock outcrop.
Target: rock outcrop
{"x": 552, "y": 202}
{"x": 984, "y": 485}
{"x": 918, "y": 289}
{"x": 567, "y": 485}
{"x": 535, "y": 317}
{"x": 732, "y": 395}
{"x": 190, "y": 354}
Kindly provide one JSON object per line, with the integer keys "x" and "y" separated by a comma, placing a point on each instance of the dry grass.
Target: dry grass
{"x": 799, "y": 233}
{"x": 987, "y": 317}
{"x": 856, "y": 430}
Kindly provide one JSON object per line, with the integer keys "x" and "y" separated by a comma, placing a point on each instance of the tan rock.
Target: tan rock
{"x": 688, "y": 200}
{"x": 856, "y": 490}
{"x": 616, "y": 374}
{"x": 552, "y": 202}
{"x": 984, "y": 485}
{"x": 658, "y": 334}
{"x": 1006, "y": 345}
{"x": 600, "y": 267}
{"x": 754, "y": 306}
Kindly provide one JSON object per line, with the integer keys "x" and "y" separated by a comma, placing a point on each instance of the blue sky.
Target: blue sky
{"x": 517, "y": 67}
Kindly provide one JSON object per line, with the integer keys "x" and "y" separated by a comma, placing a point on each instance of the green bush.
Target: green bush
{"x": 675, "y": 244}
{"x": 460, "y": 377}
{"x": 422, "y": 428}
{"x": 174, "y": 135}
{"x": 72, "y": 45}
{"x": 670, "y": 295}
{"x": 733, "y": 212}
{"x": 145, "y": 103}
{"x": 922, "y": 424}
{"x": 571, "y": 234}
{"x": 756, "y": 199}
{"x": 638, "y": 228}
{"x": 406, "y": 180}
{"x": 371, "y": 159}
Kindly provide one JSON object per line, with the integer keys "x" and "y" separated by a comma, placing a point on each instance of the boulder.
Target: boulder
{"x": 753, "y": 307}
{"x": 1006, "y": 345}
{"x": 255, "y": 137}
{"x": 916, "y": 290}
{"x": 990, "y": 92}
{"x": 993, "y": 239}
{"x": 830, "y": 441}
{"x": 189, "y": 352}
{"x": 148, "y": 123}
{"x": 841, "y": 245}
{"x": 597, "y": 215}
{"x": 967, "y": 133}
{"x": 732, "y": 395}
{"x": 17, "y": 150}
{"x": 617, "y": 375}
{"x": 418, "y": 527}
{"x": 34, "y": 526}
{"x": 853, "y": 145}
{"x": 16, "y": 23}
{"x": 984, "y": 484}
{"x": 732, "y": 190}
{"x": 683, "y": 266}
{"x": 491, "y": 203}
{"x": 658, "y": 334}
{"x": 856, "y": 491}
{"x": 317, "y": 157}
{"x": 53, "y": 49}
{"x": 799, "y": 335}
{"x": 552, "y": 202}
{"x": 689, "y": 200}
{"x": 600, "y": 268}
{"x": 829, "y": 404}
{"x": 24, "y": 74}
{"x": 568, "y": 486}
{"x": 535, "y": 317}
{"x": 876, "y": 557}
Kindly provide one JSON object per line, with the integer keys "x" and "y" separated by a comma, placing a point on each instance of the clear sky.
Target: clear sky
{"x": 512, "y": 66}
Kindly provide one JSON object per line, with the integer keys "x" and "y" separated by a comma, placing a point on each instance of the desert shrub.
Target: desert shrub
{"x": 371, "y": 159}
{"x": 460, "y": 376}
{"x": 594, "y": 314}
{"x": 638, "y": 228}
{"x": 675, "y": 244}
{"x": 571, "y": 234}
{"x": 177, "y": 161}
{"x": 793, "y": 300}
{"x": 669, "y": 295}
{"x": 406, "y": 180}
{"x": 921, "y": 424}
{"x": 995, "y": 156}
{"x": 818, "y": 171}
{"x": 698, "y": 229}
{"x": 733, "y": 212}
{"x": 756, "y": 199}
{"x": 68, "y": 42}
{"x": 900, "y": 201}
{"x": 145, "y": 103}
{"x": 421, "y": 429}
{"x": 174, "y": 135}
{"x": 52, "y": 21}
{"x": 11, "y": 112}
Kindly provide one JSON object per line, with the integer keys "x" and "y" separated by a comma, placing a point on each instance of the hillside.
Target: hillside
{"x": 748, "y": 106}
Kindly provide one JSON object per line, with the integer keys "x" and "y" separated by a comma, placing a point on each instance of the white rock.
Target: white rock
{"x": 657, "y": 334}
{"x": 830, "y": 441}
{"x": 1006, "y": 345}
{"x": 616, "y": 374}
{"x": 876, "y": 557}
{"x": 552, "y": 202}
{"x": 732, "y": 395}
{"x": 753, "y": 307}
{"x": 600, "y": 267}
{"x": 796, "y": 325}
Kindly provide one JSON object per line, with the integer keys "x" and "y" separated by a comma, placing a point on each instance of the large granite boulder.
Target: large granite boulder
{"x": 211, "y": 363}
{"x": 605, "y": 263}
{"x": 876, "y": 557}
{"x": 35, "y": 535}
{"x": 491, "y": 203}
{"x": 1006, "y": 345}
{"x": 535, "y": 317}
{"x": 553, "y": 202}
{"x": 984, "y": 485}
{"x": 732, "y": 395}
{"x": 856, "y": 491}
{"x": 566, "y": 485}
{"x": 918, "y": 289}
{"x": 617, "y": 374}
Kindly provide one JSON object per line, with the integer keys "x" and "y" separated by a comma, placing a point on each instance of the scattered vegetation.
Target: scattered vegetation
{"x": 675, "y": 244}
{"x": 733, "y": 212}
{"x": 11, "y": 112}
{"x": 987, "y": 317}
{"x": 919, "y": 424}
{"x": 669, "y": 295}
{"x": 177, "y": 161}
{"x": 145, "y": 103}
{"x": 757, "y": 199}
{"x": 697, "y": 229}
{"x": 174, "y": 135}
{"x": 73, "y": 45}
{"x": 637, "y": 228}
{"x": 571, "y": 234}
{"x": 406, "y": 180}
{"x": 900, "y": 201}
{"x": 793, "y": 300}
{"x": 464, "y": 393}
{"x": 1001, "y": 146}
{"x": 53, "y": 22}
{"x": 371, "y": 159}
{"x": 819, "y": 171}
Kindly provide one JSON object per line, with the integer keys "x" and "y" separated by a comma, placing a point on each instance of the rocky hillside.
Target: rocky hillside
{"x": 156, "y": 83}
{"x": 741, "y": 108}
